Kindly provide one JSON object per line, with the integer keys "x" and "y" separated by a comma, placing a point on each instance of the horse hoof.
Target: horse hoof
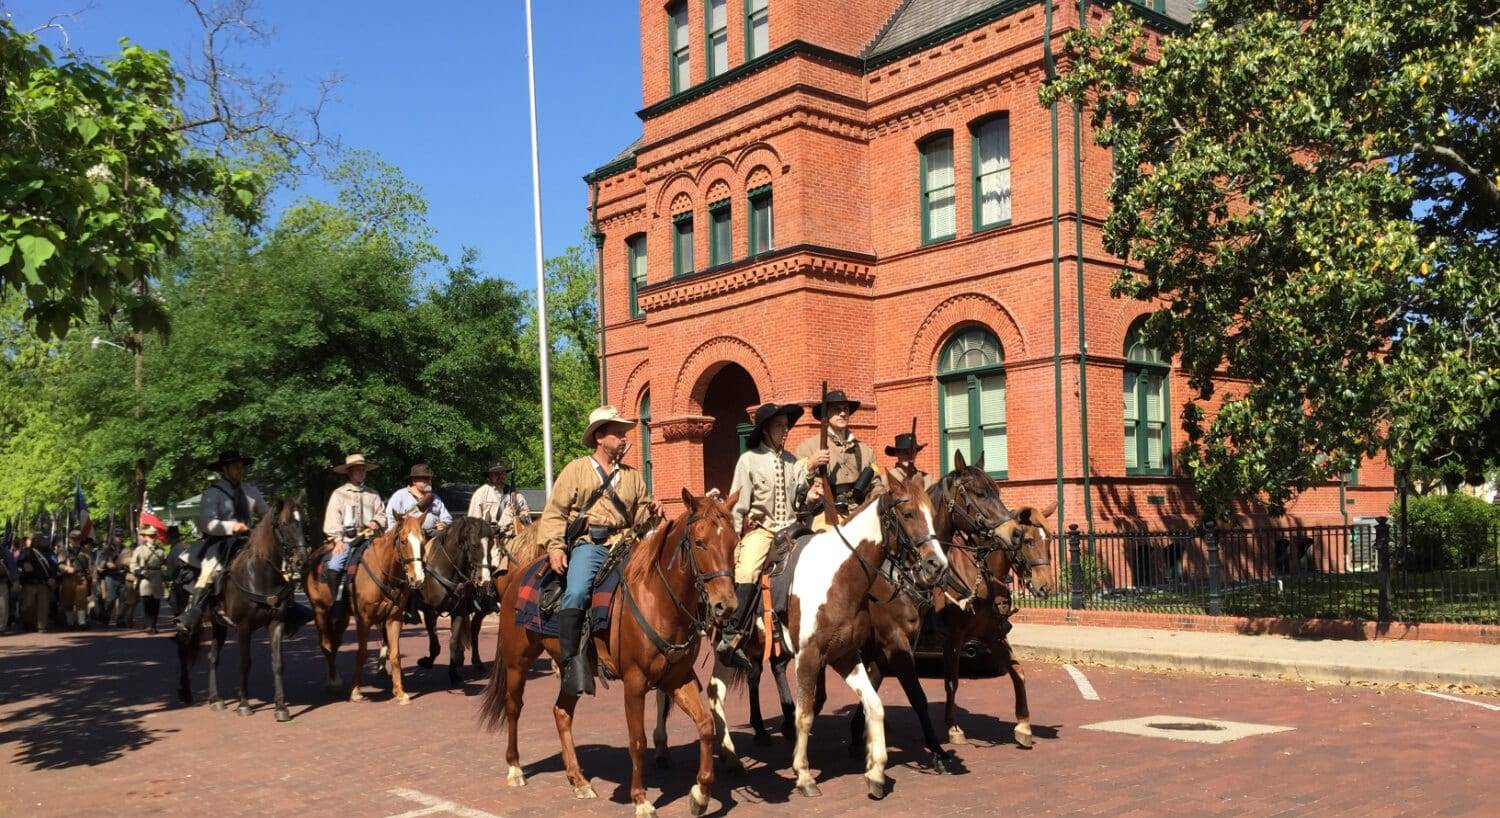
{"x": 244, "y": 710}
{"x": 956, "y": 735}
{"x": 217, "y": 706}
{"x": 810, "y": 790}
{"x": 664, "y": 762}
{"x": 762, "y": 739}
{"x": 403, "y": 699}
{"x": 697, "y": 801}
{"x": 283, "y": 715}
{"x": 425, "y": 663}
{"x": 455, "y": 681}
{"x": 876, "y": 789}
{"x": 515, "y": 778}
{"x": 644, "y": 810}
{"x": 356, "y": 696}
{"x": 945, "y": 763}
{"x": 585, "y": 791}
{"x": 1023, "y": 736}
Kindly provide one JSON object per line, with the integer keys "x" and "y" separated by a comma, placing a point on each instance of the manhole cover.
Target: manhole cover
{"x": 1184, "y": 725}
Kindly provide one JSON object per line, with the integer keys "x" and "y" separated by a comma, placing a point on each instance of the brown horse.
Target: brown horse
{"x": 453, "y": 566}
{"x": 828, "y": 617}
{"x": 257, "y": 594}
{"x": 982, "y": 563}
{"x": 515, "y": 552}
{"x": 677, "y": 582}
{"x": 376, "y": 595}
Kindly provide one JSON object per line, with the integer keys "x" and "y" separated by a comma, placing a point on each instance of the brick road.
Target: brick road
{"x": 88, "y": 726}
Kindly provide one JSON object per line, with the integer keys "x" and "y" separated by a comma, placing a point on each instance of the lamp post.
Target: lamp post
{"x": 134, "y": 345}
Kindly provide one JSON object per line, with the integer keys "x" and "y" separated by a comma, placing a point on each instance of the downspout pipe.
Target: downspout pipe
{"x": 598, "y": 236}
{"x": 1051, "y": 66}
{"x": 1083, "y": 344}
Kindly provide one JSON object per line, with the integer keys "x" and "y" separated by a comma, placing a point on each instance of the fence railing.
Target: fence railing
{"x": 1374, "y": 572}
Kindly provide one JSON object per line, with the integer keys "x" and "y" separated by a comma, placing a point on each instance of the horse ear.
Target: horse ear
{"x": 1024, "y": 515}
{"x": 732, "y": 498}
{"x": 1047, "y": 512}
{"x": 958, "y": 460}
{"x": 689, "y": 500}
{"x": 979, "y": 464}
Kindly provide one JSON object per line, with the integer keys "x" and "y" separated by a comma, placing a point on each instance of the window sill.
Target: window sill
{"x": 985, "y": 228}
{"x": 1148, "y": 473}
{"x": 938, "y": 239}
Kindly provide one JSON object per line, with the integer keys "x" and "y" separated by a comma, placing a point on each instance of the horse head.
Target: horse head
{"x": 290, "y": 532}
{"x": 1027, "y": 542}
{"x": 409, "y": 535}
{"x": 708, "y": 547}
{"x": 907, "y": 515}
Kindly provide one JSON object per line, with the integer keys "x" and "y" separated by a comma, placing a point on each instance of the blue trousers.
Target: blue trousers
{"x": 340, "y": 559}
{"x": 583, "y": 563}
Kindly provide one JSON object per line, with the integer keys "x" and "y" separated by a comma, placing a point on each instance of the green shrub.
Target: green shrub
{"x": 1446, "y": 531}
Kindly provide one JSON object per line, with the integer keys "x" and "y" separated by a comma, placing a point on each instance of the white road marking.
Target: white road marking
{"x": 433, "y": 805}
{"x": 1085, "y": 689}
{"x": 1437, "y": 695}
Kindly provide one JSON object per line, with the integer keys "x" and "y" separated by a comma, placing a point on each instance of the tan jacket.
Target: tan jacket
{"x": 924, "y": 481}
{"x": 845, "y": 461}
{"x": 148, "y": 559}
{"x": 361, "y": 504}
{"x": 572, "y": 489}
{"x": 767, "y": 482}
{"x": 502, "y": 509}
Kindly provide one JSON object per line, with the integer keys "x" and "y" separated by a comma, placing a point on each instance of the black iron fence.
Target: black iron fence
{"x": 1374, "y": 572}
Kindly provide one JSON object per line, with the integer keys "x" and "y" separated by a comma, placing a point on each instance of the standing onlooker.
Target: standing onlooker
{"x": 146, "y": 572}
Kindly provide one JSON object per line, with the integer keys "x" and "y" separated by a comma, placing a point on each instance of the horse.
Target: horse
{"x": 676, "y": 582}
{"x": 453, "y": 558}
{"x": 982, "y": 563}
{"x": 257, "y": 594}
{"x": 516, "y": 551}
{"x": 376, "y": 595}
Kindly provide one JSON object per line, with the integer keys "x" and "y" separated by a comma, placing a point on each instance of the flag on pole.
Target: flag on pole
{"x": 149, "y": 516}
{"x": 81, "y": 509}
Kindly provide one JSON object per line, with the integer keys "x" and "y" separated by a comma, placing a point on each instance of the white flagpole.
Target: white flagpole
{"x": 541, "y": 277}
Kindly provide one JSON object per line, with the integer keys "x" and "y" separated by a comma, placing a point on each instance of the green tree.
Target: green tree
{"x": 1311, "y": 190}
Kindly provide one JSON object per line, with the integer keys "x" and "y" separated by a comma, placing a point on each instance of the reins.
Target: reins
{"x": 697, "y": 626}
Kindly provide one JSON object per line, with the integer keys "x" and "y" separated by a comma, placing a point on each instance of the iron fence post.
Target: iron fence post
{"x": 1211, "y": 540}
{"x": 1383, "y": 565}
{"x": 1075, "y": 568}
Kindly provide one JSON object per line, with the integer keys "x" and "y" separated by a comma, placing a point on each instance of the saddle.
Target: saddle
{"x": 541, "y": 593}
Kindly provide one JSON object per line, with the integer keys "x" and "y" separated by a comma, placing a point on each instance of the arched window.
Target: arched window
{"x": 1147, "y": 438}
{"x": 645, "y": 427}
{"x": 971, "y": 400}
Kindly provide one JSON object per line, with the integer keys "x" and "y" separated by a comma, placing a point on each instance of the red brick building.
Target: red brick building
{"x": 869, "y": 192}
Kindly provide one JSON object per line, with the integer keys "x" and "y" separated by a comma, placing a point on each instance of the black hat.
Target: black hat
{"x": 903, "y": 442}
{"x": 499, "y": 465}
{"x": 836, "y": 396}
{"x": 229, "y": 456}
{"x": 763, "y": 416}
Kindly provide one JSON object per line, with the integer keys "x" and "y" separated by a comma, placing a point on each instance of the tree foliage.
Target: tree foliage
{"x": 1311, "y": 191}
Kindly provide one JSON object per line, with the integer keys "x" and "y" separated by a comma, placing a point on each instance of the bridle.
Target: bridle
{"x": 980, "y": 538}
{"x": 904, "y": 555}
{"x": 698, "y": 625}
{"x": 452, "y": 589}
{"x": 287, "y": 532}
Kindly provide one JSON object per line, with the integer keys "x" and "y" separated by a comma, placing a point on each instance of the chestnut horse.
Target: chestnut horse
{"x": 677, "y": 582}
{"x": 257, "y": 594}
{"x": 376, "y": 596}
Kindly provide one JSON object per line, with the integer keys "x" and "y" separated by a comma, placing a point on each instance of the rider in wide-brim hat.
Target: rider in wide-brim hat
{"x": 905, "y": 449}
{"x": 350, "y": 461}
{"x": 227, "y": 457}
{"x": 602, "y": 417}
{"x": 355, "y": 514}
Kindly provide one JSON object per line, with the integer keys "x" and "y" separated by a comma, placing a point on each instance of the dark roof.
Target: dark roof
{"x": 624, "y": 160}
{"x": 629, "y": 151}
{"x": 918, "y": 18}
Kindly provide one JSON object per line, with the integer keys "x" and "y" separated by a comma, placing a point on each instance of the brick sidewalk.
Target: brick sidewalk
{"x": 88, "y": 727}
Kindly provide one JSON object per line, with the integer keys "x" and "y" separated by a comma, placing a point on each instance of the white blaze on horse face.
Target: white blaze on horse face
{"x": 932, "y": 531}
{"x": 416, "y": 555}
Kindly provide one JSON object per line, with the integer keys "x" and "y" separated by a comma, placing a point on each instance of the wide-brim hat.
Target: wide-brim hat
{"x": 904, "y": 442}
{"x": 420, "y": 470}
{"x": 229, "y": 456}
{"x": 836, "y": 396}
{"x": 355, "y": 460}
{"x": 500, "y": 466}
{"x": 601, "y": 417}
{"x": 764, "y": 415}
{"x": 148, "y": 530}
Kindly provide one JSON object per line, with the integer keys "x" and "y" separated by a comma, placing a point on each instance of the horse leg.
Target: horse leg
{"x": 1017, "y": 681}
{"x": 904, "y": 667}
{"x": 857, "y": 723}
{"x": 475, "y": 622}
{"x": 434, "y": 647}
{"x": 329, "y": 636}
{"x": 688, "y": 699}
{"x": 242, "y": 634}
{"x": 278, "y": 630}
{"x": 214, "y": 649}
{"x": 950, "y": 688}
{"x": 718, "y": 688}
{"x": 659, "y": 735}
{"x": 858, "y": 679}
{"x": 362, "y": 633}
{"x": 393, "y": 641}
{"x": 757, "y": 721}
{"x": 515, "y": 691}
{"x": 788, "y": 703}
{"x": 562, "y": 714}
{"x": 458, "y": 631}
{"x": 187, "y": 656}
{"x": 809, "y": 668}
{"x": 635, "y": 722}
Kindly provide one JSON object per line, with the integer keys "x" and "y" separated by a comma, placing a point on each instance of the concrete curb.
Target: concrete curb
{"x": 1301, "y": 670}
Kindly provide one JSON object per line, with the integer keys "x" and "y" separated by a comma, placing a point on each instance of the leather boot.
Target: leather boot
{"x": 336, "y": 610}
{"x": 577, "y": 678}
{"x": 187, "y": 623}
{"x": 731, "y": 645}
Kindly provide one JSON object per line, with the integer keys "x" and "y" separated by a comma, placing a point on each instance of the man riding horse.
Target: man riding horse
{"x": 905, "y": 450}
{"x": 417, "y": 492}
{"x": 355, "y": 515}
{"x": 228, "y": 507}
{"x": 849, "y": 462}
{"x": 498, "y": 503}
{"x": 595, "y": 503}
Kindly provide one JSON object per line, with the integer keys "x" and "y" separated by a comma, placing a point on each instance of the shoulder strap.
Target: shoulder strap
{"x": 598, "y": 492}
{"x": 606, "y": 485}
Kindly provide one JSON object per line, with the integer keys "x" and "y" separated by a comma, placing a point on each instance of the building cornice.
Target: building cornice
{"x": 805, "y": 260}
{"x": 795, "y": 48}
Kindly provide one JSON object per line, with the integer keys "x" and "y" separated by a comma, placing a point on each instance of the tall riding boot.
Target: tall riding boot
{"x": 732, "y": 643}
{"x": 187, "y": 623}
{"x": 336, "y": 610}
{"x": 577, "y": 679}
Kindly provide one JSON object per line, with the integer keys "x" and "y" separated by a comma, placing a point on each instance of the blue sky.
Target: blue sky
{"x": 438, "y": 89}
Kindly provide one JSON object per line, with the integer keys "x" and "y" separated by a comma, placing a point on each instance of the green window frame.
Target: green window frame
{"x": 761, "y": 234}
{"x": 989, "y": 147}
{"x": 716, "y": 37}
{"x": 939, "y": 192}
{"x": 971, "y": 401}
{"x": 720, "y": 234}
{"x": 1352, "y": 478}
{"x": 645, "y": 427}
{"x": 679, "y": 54}
{"x": 635, "y": 252}
{"x": 757, "y": 22}
{"x": 682, "y": 244}
{"x": 1158, "y": 6}
{"x": 1148, "y": 381}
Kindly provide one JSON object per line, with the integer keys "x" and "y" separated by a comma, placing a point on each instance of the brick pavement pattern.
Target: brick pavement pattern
{"x": 88, "y": 727}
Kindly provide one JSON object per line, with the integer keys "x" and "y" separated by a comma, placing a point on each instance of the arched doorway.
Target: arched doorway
{"x": 725, "y": 399}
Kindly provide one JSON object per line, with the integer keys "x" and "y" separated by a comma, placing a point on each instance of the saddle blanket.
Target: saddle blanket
{"x": 781, "y": 584}
{"x": 529, "y": 613}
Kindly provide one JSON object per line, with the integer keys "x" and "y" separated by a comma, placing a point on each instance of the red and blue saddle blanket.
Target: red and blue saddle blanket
{"x": 539, "y": 574}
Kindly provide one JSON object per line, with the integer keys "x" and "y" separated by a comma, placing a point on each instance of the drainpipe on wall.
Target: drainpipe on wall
{"x": 1051, "y": 67}
{"x": 1083, "y": 344}
{"x": 598, "y": 238}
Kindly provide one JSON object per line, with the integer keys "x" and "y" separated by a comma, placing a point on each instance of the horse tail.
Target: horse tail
{"x": 492, "y": 704}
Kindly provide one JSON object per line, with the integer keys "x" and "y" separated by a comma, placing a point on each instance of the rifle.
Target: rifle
{"x": 830, "y": 513}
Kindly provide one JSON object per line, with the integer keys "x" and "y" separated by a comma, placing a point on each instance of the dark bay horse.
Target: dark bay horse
{"x": 257, "y": 594}
{"x": 677, "y": 582}
{"x": 453, "y": 566}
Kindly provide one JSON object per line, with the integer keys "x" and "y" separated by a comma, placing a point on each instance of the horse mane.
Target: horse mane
{"x": 525, "y": 548}
{"x": 648, "y": 551}
{"x": 463, "y": 531}
{"x": 263, "y": 536}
